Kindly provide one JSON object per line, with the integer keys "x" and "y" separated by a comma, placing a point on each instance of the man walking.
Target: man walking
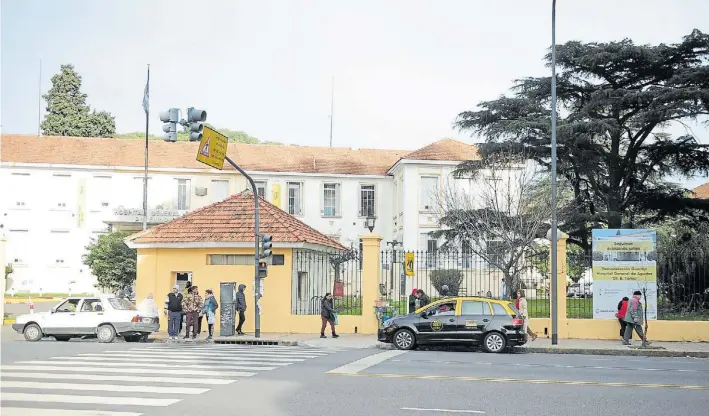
{"x": 173, "y": 310}
{"x": 192, "y": 305}
{"x": 241, "y": 308}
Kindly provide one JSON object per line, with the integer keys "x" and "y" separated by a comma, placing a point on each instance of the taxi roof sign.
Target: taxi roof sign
{"x": 212, "y": 148}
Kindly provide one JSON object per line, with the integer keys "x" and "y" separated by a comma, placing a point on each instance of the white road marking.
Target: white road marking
{"x": 366, "y": 362}
{"x": 186, "y": 357}
{"x": 101, "y": 387}
{"x": 137, "y": 379}
{"x": 157, "y": 365}
{"x": 21, "y": 411}
{"x": 418, "y": 409}
{"x": 222, "y": 354}
{"x": 113, "y": 360}
{"x": 129, "y": 370}
{"x": 61, "y": 398}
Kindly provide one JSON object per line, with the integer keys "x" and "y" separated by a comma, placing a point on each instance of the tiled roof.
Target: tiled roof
{"x": 445, "y": 149}
{"x": 232, "y": 221}
{"x": 701, "y": 191}
{"x": 255, "y": 158}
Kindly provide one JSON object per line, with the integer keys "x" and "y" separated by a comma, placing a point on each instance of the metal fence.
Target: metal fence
{"x": 465, "y": 274}
{"x": 316, "y": 273}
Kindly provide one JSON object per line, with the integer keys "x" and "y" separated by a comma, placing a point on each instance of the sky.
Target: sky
{"x": 403, "y": 69}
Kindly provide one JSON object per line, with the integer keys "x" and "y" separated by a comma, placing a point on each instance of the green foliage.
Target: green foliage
{"x": 183, "y": 136}
{"x": 614, "y": 97}
{"x": 8, "y": 269}
{"x": 576, "y": 263}
{"x": 451, "y": 278}
{"x": 111, "y": 261}
{"x": 67, "y": 111}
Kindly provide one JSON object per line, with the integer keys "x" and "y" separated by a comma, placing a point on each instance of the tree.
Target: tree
{"x": 500, "y": 217}
{"x": 614, "y": 99}
{"x": 67, "y": 111}
{"x": 111, "y": 261}
{"x": 447, "y": 277}
{"x": 233, "y": 135}
{"x": 8, "y": 269}
{"x": 338, "y": 258}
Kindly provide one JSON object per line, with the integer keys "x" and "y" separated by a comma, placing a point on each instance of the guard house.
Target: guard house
{"x": 215, "y": 244}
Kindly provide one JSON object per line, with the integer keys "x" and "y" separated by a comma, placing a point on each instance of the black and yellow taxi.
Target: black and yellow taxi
{"x": 490, "y": 323}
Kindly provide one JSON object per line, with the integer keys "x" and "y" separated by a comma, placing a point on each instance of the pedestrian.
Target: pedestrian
{"x": 622, "y": 310}
{"x": 185, "y": 293}
{"x": 327, "y": 315}
{"x": 192, "y": 305}
{"x": 209, "y": 310}
{"x": 173, "y": 311}
{"x": 444, "y": 291}
{"x": 524, "y": 314}
{"x": 502, "y": 289}
{"x": 241, "y": 308}
{"x": 634, "y": 319}
{"x": 149, "y": 309}
{"x": 413, "y": 301}
{"x": 423, "y": 298}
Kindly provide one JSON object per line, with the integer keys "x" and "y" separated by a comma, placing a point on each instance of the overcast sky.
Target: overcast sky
{"x": 403, "y": 69}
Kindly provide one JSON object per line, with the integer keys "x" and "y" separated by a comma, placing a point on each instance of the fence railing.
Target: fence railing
{"x": 316, "y": 273}
{"x": 683, "y": 286}
{"x": 464, "y": 274}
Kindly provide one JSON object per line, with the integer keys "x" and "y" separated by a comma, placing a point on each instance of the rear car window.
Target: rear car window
{"x": 121, "y": 304}
{"x": 499, "y": 309}
{"x": 514, "y": 309}
{"x": 475, "y": 307}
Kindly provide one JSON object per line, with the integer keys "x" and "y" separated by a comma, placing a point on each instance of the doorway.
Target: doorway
{"x": 181, "y": 279}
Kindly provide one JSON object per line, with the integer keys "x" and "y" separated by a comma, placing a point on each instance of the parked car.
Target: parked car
{"x": 577, "y": 291}
{"x": 493, "y": 324}
{"x": 103, "y": 317}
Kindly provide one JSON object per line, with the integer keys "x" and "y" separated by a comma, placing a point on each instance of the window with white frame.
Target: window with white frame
{"x": 19, "y": 247}
{"x": 429, "y": 193}
{"x": 367, "y": 200}
{"x": 467, "y": 254}
{"x": 331, "y": 200}
{"x": 100, "y": 193}
{"x": 295, "y": 196}
{"x": 429, "y": 244}
{"x": 220, "y": 190}
{"x": 261, "y": 188}
{"x": 61, "y": 188}
{"x": 59, "y": 241}
{"x": 182, "y": 203}
{"x": 396, "y": 198}
{"x": 19, "y": 197}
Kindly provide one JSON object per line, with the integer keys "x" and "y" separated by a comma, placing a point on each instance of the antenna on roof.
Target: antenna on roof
{"x": 39, "y": 101}
{"x": 332, "y": 106}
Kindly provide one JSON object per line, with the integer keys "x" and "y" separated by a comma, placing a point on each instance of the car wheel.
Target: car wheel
{"x": 404, "y": 339}
{"x": 60, "y": 338}
{"x": 134, "y": 338}
{"x": 106, "y": 334}
{"x": 33, "y": 333}
{"x": 494, "y": 342}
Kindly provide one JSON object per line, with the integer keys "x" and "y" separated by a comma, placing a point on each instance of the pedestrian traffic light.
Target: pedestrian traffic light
{"x": 266, "y": 245}
{"x": 196, "y": 119}
{"x": 170, "y": 118}
{"x": 262, "y": 269}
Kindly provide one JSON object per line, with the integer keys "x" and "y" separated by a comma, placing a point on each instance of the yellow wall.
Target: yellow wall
{"x": 696, "y": 331}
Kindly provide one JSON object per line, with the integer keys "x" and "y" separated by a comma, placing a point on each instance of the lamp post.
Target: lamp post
{"x": 370, "y": 221}
{"x": 393, "y": 245}
{"x": 554, "y": 237}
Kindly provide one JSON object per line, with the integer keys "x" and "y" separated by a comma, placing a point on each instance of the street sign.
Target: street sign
{"x": 212, "y": 148}
{"x": 409, "y": 264}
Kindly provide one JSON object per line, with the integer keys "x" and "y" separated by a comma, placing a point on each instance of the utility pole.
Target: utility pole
{"x": 146, "y": 107}
{"x": 554, "y": 237}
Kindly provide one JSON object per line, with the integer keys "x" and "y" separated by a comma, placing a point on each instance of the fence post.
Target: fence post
{"x": 370, "y": 281}
{"x": 2, "y": 283}
{"x": 560, "y": 283}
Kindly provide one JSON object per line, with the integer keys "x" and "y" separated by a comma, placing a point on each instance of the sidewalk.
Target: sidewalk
{"x": 606, "y": 347}
{"x": 310, "y": 340}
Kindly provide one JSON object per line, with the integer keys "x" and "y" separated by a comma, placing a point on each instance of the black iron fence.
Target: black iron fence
{"x": 316, "y": 273}
{"x": 463, "y": 274}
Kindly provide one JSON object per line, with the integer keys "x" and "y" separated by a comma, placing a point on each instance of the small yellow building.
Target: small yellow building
{"x": 215, "y": 245}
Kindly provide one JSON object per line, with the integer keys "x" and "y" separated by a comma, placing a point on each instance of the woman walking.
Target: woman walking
{"x": 622, "y": 310}
{"x": 209, "y": 310}
{"x": 522, "y": 307}
{"x": 327, "y": 314}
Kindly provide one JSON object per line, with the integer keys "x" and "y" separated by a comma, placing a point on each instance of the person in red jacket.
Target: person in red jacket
{"x": 622, "y": 310}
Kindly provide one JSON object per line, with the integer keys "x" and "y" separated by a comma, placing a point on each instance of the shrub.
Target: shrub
{"x": 451, "y": 278}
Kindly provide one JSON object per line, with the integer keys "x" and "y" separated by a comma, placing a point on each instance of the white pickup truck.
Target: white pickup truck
{"x": 104, "y": 317}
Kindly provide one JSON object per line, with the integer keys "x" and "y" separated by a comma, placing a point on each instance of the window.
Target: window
{"x": 183, "y": 195}
{"x": 100, "y": 193}
{"x": 467, "y": 255}
{"x": 474, "y": 307}
{"x": 220, "y": 190}
{"x": 499, "y": 309}
{"x": 230, "y": 260}
{"x": 331, "y": 200}
{"x": 294, "y": 198}
{"x": 367, "y": 201}
{"x": 68, "y": 306}
{"x": 302, "y": 289}
{"x": 18, "y": 186}
{"x": 61, "y": 188}
{"x": 430, "y": 246}
{"x": 446, "y": 308}
{"x": 396, "y": 200}
{"x": 122, "y": 304}
{"x": 495, "y": 250}
{"x": 429, "y": 193}
{"x": 59, "y": 241}
{"x": 91, "y": 305}
{"x": 278, "y": 260}
{"x": 261, "y": 188}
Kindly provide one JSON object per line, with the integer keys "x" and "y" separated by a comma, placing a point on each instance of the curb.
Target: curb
{"x": 223, "y": 341}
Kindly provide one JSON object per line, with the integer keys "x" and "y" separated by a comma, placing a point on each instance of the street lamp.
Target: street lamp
{"x": 371, "y": 219}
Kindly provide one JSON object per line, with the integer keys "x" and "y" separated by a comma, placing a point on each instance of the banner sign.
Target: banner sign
{"x": 623, "y": 261}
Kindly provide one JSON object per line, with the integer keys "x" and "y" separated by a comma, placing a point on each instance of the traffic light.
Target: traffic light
{"x": 196, "y": 119}
{"x": 262, "y": 269}
{"x": 170, "y": 118}
{"x": 266, "y": 245}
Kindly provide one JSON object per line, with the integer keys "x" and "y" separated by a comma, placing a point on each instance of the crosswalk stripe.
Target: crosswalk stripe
{"x": 178, "y": 361}
{"x": 228, "y": 351}
{"x": 189, "y": 356}
{"x": 214, "y": 354}
{"x": 22, "y": 411}
{"x": 62, "y": 398}
{"x": 101, "y": 387}
{"x": 130, "y": 370}
{"x": 234, "y": 347}
{"x": 135, "y": 364}
{"x": 136, "y": 379}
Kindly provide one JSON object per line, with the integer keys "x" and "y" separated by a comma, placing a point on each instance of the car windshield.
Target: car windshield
{"x": 120, "y": 304}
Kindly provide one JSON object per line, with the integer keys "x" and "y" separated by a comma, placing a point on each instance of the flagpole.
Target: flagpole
{"x": 146, "y": 107}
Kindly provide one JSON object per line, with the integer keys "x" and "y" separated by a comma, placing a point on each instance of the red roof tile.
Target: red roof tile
{"x": 702, "y": 191}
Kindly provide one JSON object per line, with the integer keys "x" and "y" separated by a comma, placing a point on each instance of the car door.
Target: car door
{"x": 474, "y": 318}
{"x": 438, "y": 323}
{"x": 89, "y": 316}
{"x": 62, "y": 318}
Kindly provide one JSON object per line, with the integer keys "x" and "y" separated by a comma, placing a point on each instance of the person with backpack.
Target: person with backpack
{"x": 622, "y": 310}
{"x": 209, "y": 309}
{"x": 634, "y": 319}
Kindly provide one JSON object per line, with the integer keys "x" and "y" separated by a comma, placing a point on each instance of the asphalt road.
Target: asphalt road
{"x": 294, "y": 381}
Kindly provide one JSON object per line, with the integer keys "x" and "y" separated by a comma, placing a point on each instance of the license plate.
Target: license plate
{"x": 148, "y": 320}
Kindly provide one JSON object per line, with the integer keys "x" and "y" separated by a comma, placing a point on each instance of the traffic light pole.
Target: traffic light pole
{"x": 257, "y": 279}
